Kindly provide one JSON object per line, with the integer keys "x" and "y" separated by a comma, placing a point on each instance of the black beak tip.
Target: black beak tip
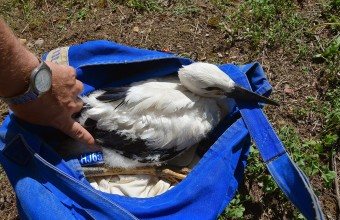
{"x": 275, "y": 103}
{"x": 241, "y": 93}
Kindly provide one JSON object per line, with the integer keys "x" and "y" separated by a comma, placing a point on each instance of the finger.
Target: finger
{"x": 73, "y": 105}
{"x": 79, "y": 104}
{"x": 77, "y": 132}
{"x": 79, "y": 87}
{"x": 72, "y": 71}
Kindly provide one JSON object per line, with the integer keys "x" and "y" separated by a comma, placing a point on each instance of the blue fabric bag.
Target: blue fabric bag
{"x": 48, "y": 187}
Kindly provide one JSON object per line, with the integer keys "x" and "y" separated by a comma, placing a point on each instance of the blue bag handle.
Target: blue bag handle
{"x": 285, "y": 172}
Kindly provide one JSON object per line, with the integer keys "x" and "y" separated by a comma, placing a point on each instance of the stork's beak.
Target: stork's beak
{"x": 243, "y": 94}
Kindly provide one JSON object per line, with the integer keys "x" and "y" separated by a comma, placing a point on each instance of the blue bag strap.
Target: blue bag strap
{"x": 285, "y": 172}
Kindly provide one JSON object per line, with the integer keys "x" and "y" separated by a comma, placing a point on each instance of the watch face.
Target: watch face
{"x": 43, "y": 80}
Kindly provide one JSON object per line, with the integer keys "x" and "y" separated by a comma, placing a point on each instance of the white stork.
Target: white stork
{"x": 152, "y": 121}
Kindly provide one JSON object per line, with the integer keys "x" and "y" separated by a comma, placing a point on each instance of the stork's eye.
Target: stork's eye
{"x": 212, "y": 89}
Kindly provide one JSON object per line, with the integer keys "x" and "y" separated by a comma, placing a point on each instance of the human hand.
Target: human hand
{"x": 56, "y": 107}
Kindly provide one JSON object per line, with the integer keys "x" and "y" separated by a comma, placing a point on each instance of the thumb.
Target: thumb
{"x": 79, "y": 133}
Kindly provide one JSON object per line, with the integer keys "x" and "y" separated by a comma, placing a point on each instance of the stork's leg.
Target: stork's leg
{"x": 172, "y": 174}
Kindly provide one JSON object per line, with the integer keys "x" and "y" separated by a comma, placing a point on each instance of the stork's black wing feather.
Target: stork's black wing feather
{"x": 116, "y": 89}
{"x": 113, "y": 94}
{"x": 135, "y": 149}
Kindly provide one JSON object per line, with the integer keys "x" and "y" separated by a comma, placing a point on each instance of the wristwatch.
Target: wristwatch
{"x": 40, "y": 83}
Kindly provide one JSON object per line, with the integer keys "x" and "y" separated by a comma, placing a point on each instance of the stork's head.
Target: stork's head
{"x": 208, "y": 80}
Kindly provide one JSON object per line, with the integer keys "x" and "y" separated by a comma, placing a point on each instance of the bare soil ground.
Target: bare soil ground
{"x": 202, "y": 30}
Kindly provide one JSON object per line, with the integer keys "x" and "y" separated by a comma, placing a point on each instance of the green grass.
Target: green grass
{"x": 235, "y": 208}
{"x": 180, "y": 7}
{"x": 267, "y": 24}
{"x": 332, "y": 112}
{"x": 81, "y": 14}
{"x": 148, "y": 5}
{"x": 185, "y": 7}
{"x": 271, "y": 25}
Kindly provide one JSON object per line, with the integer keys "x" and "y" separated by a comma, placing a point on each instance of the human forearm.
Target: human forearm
{"x": 16, "y": 63}
{"x": 54, "y": 107}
